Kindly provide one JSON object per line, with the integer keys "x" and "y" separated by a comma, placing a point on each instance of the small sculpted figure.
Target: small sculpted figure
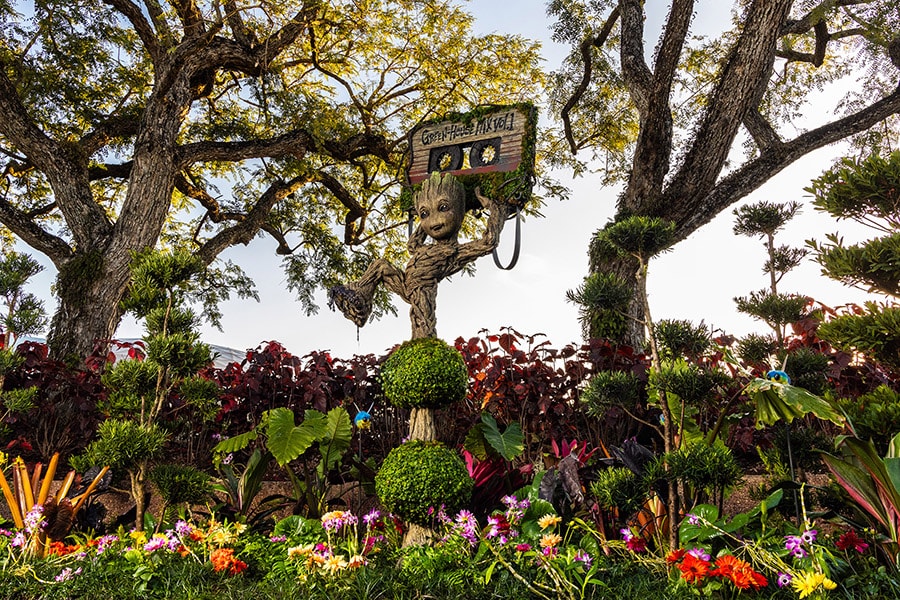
{"x": 440, "y": 206}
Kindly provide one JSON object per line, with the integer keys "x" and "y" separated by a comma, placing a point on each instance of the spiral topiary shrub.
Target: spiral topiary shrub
{"x": 420, "y": 475}
{"x": 424, "y": 373}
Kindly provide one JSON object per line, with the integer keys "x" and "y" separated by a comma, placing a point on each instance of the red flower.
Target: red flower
{"x": 674, "y": 556}
{"x": 636, "y": 544}
{"x": 850, "y": 540}
{"x": 693, "y": 569}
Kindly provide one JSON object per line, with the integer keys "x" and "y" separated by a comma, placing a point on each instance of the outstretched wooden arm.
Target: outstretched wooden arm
{"x": 498, "y": 212}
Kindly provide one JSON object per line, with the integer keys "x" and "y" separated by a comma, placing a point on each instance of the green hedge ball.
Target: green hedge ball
{"x": 424, "y": 373}
{"x": 420, "y": 475}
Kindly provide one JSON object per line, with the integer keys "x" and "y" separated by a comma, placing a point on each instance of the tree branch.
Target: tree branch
{"x": 586, "y": 48}
{"x": 110, "y": 171}
{"x": 245, "y": 230}
{"x": 760, "y": 130}
{"x": 817, "y": 58}
{"x": 64, "y": 166}
{"x": 654, "y": 145}
{"x": 807, "y": 21}
{"x": 142, "y": 27}
{"x": 243, "y": 34}
{"x": 637, "y": 75}
{"x": 191, "y": 18}
{"x": 21, "y": 224}
{"x": 775, "y": 159}
{"x": 748, "y": 67}
{"x": 355, "y": 210}
{"x": 112, "y": 128}
{"x": 297, "y": 142}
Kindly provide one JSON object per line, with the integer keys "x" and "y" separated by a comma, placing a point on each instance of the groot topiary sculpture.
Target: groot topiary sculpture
{"x": 440, "y": 206}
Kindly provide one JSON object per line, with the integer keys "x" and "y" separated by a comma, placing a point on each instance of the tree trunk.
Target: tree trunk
{"x": 624, "y": 268}
{"x": 139, "y": 493}
{"x": 422, "y": 424}
{"x": 90, "y": 288}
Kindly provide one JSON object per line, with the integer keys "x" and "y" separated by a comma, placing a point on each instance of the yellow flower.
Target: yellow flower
{"x": 334, "y": 563}
{"x": 548, "y": 521}
{"x": 139, "y": 537}
{"x": 239, "y": 528}
{"x": 334, "y": 514}
{"x": 807, "y": 583}
{"x": 3, "y": 458}
{"x": 550, "y": 540}
{"x": 299, "y": 551}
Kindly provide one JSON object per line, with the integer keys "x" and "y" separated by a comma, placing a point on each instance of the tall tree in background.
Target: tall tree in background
{"x": 119, "y": 119}
{"x": 670, "y": 127}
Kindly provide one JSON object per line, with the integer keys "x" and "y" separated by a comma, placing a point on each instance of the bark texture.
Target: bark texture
{"x": 689, "y": 189}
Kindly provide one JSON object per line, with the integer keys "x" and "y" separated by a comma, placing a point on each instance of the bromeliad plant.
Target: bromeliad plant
{"x": 40, "y": 517}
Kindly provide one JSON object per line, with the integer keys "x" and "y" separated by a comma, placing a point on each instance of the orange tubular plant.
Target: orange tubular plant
{"x": 21, "y": 499}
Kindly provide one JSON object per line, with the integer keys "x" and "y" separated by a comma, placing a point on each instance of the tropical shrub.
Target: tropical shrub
{"x": 424, "y": 373}
{"x": 417, "y": 478}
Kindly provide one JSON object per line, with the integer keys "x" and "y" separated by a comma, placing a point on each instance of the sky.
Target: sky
{"x": 696, "y": 281}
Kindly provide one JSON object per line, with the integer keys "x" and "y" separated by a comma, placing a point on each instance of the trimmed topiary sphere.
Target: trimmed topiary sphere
{"x": 420, "y": 475}
{"x": 424, "y": 373}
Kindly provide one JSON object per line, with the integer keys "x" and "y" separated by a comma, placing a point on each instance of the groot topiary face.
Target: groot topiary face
{"x": 421, "y": 475}
{"x": 424, "y": 373}
{"x": 441, "y": 206}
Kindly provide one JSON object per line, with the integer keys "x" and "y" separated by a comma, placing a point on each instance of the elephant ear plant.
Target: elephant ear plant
{"x": 293, "y": 447}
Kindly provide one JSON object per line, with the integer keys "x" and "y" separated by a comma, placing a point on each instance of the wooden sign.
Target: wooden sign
{"x": 496, "y": 140}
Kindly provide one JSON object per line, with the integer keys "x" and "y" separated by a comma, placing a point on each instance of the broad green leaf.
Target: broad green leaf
{"x": 336, "y": 439}
{"x": 235, "y": 443}
{"x": 489, "y": 572}
{"x": 475, "y": 442}
{"x": 508, "y": 444}
{"x": 776, "y": 401}
{"x": 287, "y": 441}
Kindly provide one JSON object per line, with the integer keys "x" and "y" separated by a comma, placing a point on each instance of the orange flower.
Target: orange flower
{"x": 693, "y": 569}
{"x": 60, "y": 549}
{"x": 674, "y": 556}
{"x": 739, "y": 572}
{"x": 223, "y": 559}
{"x": 746, "y": 577}
{"x": 726, "y": 566}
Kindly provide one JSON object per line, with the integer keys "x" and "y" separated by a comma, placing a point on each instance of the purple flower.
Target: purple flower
{"x": 104, "y": 542}
{"x": 626, "y": 534}
{"x": 584, "y": 558}
{"x": 372, "y": 516}
{"x": 19, "y": 540}
{"x": 784, "y": 579}
{"x": 699, "y": 553}
{"x": 35, "y": 519}
{"x": 183, "y": 528}
{"x": 156, "y": 543}
{"x": 277, "y": 538}
{"x": 67, "y": 574}
{"x": 808, "y": 536}
{"x": 693, "y": 519}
